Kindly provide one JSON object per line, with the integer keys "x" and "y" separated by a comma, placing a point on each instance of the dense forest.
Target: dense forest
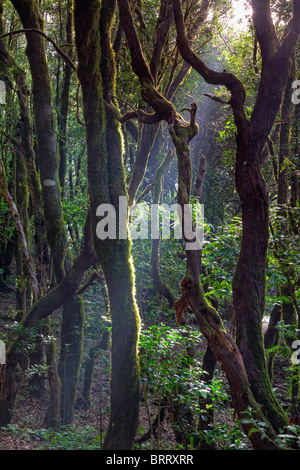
{"x": 149, "y": 225}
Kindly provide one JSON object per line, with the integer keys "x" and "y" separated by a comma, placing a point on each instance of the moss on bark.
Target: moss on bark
{"x": 106, "y": 184}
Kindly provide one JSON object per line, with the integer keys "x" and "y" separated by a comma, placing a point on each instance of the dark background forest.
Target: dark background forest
{"x": 138, "y": 342}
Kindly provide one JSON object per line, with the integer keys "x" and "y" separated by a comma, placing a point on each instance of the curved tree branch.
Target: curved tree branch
{"x": 48, "y": 38}
{"x": 212, "y": 77}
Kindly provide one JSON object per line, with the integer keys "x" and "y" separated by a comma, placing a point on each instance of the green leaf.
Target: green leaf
{"x": 252, "y": 430}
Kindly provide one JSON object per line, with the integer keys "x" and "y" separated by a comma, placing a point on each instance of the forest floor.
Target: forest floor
{"x": 27, "y": 432}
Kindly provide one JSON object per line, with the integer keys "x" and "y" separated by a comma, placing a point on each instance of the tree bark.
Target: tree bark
{"x": 94, "y": 353}
{"x": 249, "y": 279}
{"x": 47, "y": 143}
{"x": 40, "y": 310}
{"x": 23, "y": 245}
{"x": 70, "y": 357}
{"x": 96, "y": 72}
{"x": 64, "y": 105}
{"x": 45, "y": 128}
{"x": 181, "y": 132}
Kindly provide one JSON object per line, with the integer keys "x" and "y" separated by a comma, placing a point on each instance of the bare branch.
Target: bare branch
{"x": 293, "y": 30}
{"x": 143, "y": 117}
{"x": 91, "y": 278}
{"x": 212, "y": 77}
{"x": 216, "y": 98}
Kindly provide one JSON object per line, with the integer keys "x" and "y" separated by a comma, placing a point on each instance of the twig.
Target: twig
{"x": 94, "y": 275}
{"x": 215, "y": 98}
{"x": 146, "y": 191}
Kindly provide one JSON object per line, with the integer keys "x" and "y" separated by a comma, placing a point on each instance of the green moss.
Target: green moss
{"x": 106, "y": 184}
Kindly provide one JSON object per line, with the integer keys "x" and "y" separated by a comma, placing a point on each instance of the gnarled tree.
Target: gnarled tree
{"x": 251, "y": 139}
{"x": 245, "y": 367}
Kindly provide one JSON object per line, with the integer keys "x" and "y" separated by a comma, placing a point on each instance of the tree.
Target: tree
{"x": 109, "y": 133}
{"x": 249, "y": 281}
{"x": 251, "y": 140}
{"x": 96, "y": 72}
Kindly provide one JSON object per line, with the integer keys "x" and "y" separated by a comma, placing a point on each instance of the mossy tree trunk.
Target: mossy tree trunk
{"x": 222, "y": 345}
{"x": 40, "y": 310}
{"x": 286, "y": 309}
{"x": 48, "y": 158}
{"x": 285, "y": 230}
{"x": 45, "y": 129}
{"x": 52, "y": 418}
{"x": 25, "y": 169}
{"x": 34, "y": 187}
{"x": 64, "y": 104}
{"x": 47, "y": 151}
{"x": 21, "y": 198}
{"x": 96, "y": 72}
{"x": 249, "y": 281}
{"x": 252, "y": 136}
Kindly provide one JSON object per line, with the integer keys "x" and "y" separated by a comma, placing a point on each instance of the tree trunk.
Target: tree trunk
{"x": 52, "y": 418}
{"x": 45, "y": 128}
{"x": 21, "y": 199}
{"x": 70, "y": 356}
{"x": 106, "y": 184}
{"x": 222, "y": 345}
{"x": 250, "y": 275}
{"x": 64, "y": 105}
{"x": 249, "y": 280}
{"x": 271, "y": 337}
{"x": 289, "y": 314}
{"x": 148, "y": 137}
{"x": 47, "y": 145}
{"x": 41, "y": 309}
{"x": 95, "y": 351}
